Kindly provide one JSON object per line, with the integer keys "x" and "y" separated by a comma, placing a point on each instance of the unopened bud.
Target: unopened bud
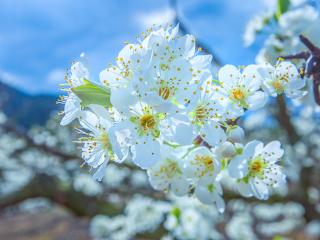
{"x": 236, "y": 134}
{"x": 227, "y": 150}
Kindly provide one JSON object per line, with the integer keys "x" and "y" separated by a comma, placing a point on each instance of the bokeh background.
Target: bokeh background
{"x": 44, "y": 194}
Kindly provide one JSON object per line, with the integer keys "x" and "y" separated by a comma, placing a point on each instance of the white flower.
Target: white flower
{"x": 72, "y": 108}
{"x": 256, "y": 169}
{"x": 202, "y": 166}
{"x": 167, "y": 173}
{"x": 175, "y": 70}
{"x": 146, "y": 128}
{"x": 201, "y": 163}
{"x": 282, "y": 78}
{"x": 102, "y": 141}
{"x": 254, "y": 26}
{"x": 210, "y": 191}
{"x": 79, "y": 73}
{"x": 285, "y": 40}
{"x": 201, "y": 117}
{"x": 132, "y": 66}
{"x": 298, "y": 20}
{"x": 241, "y": 89}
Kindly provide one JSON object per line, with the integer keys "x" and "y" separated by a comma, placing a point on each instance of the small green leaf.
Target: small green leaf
{"x": 90, "y": 93}
{"x": 282, "y": 7}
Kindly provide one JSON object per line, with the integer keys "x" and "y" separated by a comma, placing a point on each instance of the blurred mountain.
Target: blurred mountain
{"x": 25, "y": 110}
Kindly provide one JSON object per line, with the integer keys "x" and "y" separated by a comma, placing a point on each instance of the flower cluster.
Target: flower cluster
{"x": 282, "y": 28}
{"x": 160, "y": 107}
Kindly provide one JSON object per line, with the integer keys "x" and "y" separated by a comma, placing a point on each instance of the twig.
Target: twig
{"x": 285, "y": 122}
{"x": 312, "y": 68}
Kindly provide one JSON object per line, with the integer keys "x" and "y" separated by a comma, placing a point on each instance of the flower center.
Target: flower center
{"x": 105, "y": 142}
{"x": 284, "y": 78}
{"x": 256, "y": 166}
{"x": 200, "y": 113}
{"x": 147, "y": 121}
{"x": 277, "y": 85}
{"x": 238, "y": 94}
{"x": 164, "y": 66}
{"x": 170, "y": 169}
{"x": 164, "y": 92}
{"x": 206, "y": 161}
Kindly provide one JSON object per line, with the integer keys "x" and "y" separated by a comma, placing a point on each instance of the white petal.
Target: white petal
{"x": 203, "y": 194}
{"x": 147, "y": 152}
{"x": 220, "y": 203}
{"x": 229, "y": 75}
{"x": 99, "y": 174}
{"x": 157, "y": 181}
{"x": 288, "y": 69}
{"x": 100, "y": 111}
{"x": 96, "y": 158}
{"x": 174, "y": 31}
{"x": 274, "y": 148}
{"x": 72, "y": 110}
{"x": 111, "y": 77}
{"x": 201, "y": 61}
{"x": 179, "y": 186}
{"x": 244, "y": 189}
{"x": 184, "y": 45}
{"x": 213, "y": 134}
{"x": 296, "y": 84}
{"x": 251, "y": 77}
{"x": 266, "y": 71}
{"x": 238, "y": 167}
{"x": 178, "y": 130}
{"x": 89, "y": 121}
{"x": 120, "y": 137}
{"x": 295, "y": 94}
{"x": 121, "y": 99}
{"x": 250, "y": 148}
{"x": 259, "y": 188}
{"x": 69, "y": 117}
{"x": 257, "y": 100}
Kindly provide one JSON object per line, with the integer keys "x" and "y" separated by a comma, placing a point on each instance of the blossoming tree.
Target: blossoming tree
{"x": 161, "y": 113}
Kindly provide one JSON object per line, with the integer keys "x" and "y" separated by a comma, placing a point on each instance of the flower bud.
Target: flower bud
{"x": 235, "y": 134}
{"x": 227, "y": 150}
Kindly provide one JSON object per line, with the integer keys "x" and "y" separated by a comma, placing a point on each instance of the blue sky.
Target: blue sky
{"x": 40, "y": 38}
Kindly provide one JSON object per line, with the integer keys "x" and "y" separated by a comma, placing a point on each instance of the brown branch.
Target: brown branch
{"x": 285, "y": 122}
{"x": 301, "y": 55}
{"x": 313, "y": 49}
